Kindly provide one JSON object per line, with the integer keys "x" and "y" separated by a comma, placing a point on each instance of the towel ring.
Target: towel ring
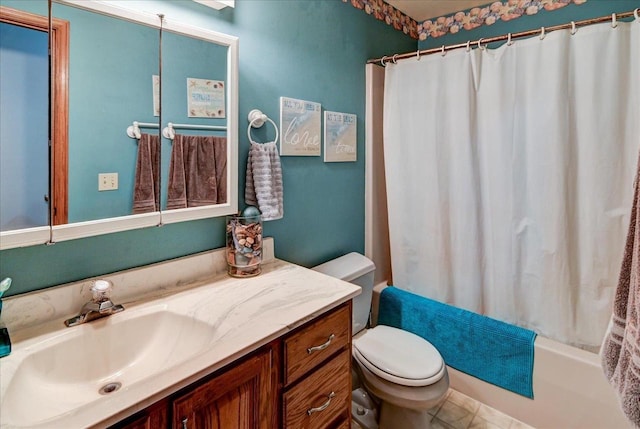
{"x": 256, "y": 120}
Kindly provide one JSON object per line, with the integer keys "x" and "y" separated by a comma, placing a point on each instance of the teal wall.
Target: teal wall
{"x": 309, "y": 50}
{"x": 571, "y": 12}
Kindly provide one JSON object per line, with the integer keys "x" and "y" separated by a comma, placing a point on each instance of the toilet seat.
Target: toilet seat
{"x": 399, "y": 356}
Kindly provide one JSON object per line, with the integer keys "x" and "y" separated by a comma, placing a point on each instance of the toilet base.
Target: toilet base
{"x": 365, "y": 415}
{"x": 393, "y": 417}
{"x": 399, "y": 406}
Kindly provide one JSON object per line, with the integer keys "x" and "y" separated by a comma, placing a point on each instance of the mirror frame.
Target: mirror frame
{"x": 51, "y": 234}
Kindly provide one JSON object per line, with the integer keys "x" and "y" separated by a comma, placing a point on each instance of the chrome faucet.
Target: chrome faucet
{"x": 99, "y": 306}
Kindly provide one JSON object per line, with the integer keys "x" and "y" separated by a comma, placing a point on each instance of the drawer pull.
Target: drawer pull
{"x": 321, "y": 346}
{"x": 323, "y": 406}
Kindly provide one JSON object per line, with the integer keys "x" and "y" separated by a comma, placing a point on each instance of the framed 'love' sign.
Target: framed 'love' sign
{"x": 300, "y": 127}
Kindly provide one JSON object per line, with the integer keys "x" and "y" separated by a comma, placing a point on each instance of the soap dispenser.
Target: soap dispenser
{"x": 5, "y": 341}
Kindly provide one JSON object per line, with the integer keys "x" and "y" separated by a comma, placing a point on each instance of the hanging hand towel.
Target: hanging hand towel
{"x": 621, "y": 347}
{"x": 264, "y": 180}
{"x": 197, "y": 171}
{"x": 146, "y": 189}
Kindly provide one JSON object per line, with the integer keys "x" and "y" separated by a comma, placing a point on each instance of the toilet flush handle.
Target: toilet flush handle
{"x": 321, "y": 346}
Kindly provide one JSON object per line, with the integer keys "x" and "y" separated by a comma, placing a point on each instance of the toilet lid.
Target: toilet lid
{"x": 399, "y": 356}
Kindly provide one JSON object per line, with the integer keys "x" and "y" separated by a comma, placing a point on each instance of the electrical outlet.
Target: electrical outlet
{"x": 107, "y": 181}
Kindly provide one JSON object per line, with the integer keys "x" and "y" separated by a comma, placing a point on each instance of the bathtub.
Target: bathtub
{"x": 569, "y": 388}
{"x": 570, "y": 391}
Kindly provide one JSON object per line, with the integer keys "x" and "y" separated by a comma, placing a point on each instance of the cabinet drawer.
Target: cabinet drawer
{"x": 326, "y": 394}
{"x": 305, "y": 349}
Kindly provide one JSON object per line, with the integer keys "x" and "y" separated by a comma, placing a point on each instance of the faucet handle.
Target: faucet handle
{"x": 101, "y": 290}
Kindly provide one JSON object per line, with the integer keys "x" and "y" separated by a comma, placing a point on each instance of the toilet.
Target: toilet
{"x": 403, "y": 372}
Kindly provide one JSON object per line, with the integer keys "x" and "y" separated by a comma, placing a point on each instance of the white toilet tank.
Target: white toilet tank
{"x": 357, "y": 269}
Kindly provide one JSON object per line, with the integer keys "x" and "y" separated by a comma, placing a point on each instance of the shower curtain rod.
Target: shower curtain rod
{"x": 510, "y": 36}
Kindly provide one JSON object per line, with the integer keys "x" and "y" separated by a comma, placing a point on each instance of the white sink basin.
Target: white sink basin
{"x": 67, "y": 371}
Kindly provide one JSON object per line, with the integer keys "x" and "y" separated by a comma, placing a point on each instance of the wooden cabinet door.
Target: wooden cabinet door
{"x": 240, "y": 398}
{"x": 153, "y": 417}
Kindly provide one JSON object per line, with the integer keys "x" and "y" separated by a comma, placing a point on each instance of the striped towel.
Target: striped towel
{"x": 264, "y": 180}
{"x": 621, "y": 347}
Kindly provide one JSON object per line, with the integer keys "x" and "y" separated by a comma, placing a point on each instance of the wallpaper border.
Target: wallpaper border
{"x": 471, "y": 19}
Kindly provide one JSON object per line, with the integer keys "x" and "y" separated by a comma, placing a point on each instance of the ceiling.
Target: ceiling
{"x": 421, "y": 10}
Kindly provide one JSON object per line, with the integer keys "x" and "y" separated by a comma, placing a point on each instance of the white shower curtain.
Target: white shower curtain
{"x": 510, "y": 176}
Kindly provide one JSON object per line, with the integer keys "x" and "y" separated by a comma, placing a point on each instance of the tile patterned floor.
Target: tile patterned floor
{"x": 458, "y": 411}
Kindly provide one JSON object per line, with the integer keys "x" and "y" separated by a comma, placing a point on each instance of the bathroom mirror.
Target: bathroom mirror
{"x": 112, "y": 63}
{"x": 110, "y": 87}
{"x": 24, "y": 122}
{"x": 195, "y": 89}
{"x": 145, "y": 63}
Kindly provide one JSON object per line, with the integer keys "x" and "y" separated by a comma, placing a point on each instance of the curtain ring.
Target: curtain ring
{"x": 382, "y": 61}
{"x": 635, "y": 14}
{"x": 573, "y": 28}
{"x": 418, "y": 54}
{"x": 509, "y": 42}
{"x": 468, "y": 45}
{"x": 480, "y": 44}
{"x": 614, "y": 20}
{"x": 542, "y": 34}
{"x": 394, "y": 58}
{"x": 442, "y": 52}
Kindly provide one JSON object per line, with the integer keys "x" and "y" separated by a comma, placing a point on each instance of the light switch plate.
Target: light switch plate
{"x": 107, "y": 181}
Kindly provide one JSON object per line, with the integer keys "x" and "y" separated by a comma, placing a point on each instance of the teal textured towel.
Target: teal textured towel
{"x": 491, "y": 350}
{"x": 5, "y": 342}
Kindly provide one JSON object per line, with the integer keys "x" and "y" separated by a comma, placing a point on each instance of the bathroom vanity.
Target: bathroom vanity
{"x": 193, "y": 348}
{"x": 282, "y": 384}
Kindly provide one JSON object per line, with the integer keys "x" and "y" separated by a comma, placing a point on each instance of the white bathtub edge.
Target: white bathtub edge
{"x": 570, "y": 391}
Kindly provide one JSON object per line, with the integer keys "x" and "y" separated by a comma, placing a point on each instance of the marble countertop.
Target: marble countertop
{"x": 243, "y": 315}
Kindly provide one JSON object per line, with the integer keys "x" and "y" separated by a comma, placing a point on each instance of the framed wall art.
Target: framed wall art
{"x": 205, "y": 98}
{"x": 340, "y": 137}
{"x": 300, "y": 127}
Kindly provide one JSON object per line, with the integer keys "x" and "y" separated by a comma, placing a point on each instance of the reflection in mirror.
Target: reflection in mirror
{"x": 194, "y": 95}
{"x": 112, "y": 55}
{"x": 112, "y": 64}
{"x": 24, "y": 122}
{"x": 200, "y": 99}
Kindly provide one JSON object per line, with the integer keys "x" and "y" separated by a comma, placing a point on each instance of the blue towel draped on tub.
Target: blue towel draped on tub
{"x": 493, "y": 351}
